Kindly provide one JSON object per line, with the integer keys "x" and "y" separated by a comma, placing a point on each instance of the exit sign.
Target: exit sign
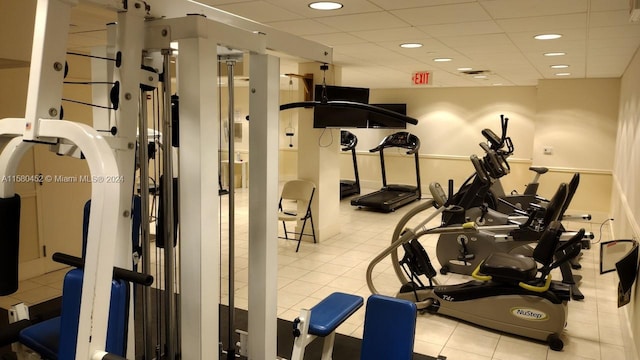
{"x": 422, "y": 78}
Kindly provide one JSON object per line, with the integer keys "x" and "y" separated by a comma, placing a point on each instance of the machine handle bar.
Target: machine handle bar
{"x": 118, "y": 273}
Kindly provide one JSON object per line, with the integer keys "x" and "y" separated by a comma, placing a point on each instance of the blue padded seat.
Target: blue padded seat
{"x": 43, "y": 337}
{"x": 332, "y": 311}
{"x": 56, "y": 338}
{"x": 389, "y": 329}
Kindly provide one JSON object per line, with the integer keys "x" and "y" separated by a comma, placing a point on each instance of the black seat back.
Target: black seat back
{"x": 573, "y": 186}
{"x": 555, "y": 205}
{"x": 548, "y": 243}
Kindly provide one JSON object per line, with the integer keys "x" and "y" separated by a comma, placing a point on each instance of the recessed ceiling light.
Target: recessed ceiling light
{"x": 497, "y": 84}
{"x": 559, "y": 66}
{"x": 325, "y": 5}
{"x": 563, "y": 74}
{"x": 464, "y": 69}
{"x": 480, "y": 77}
{"x": 442, "y": 59}
{"x": 547, "y": 36}
{"x": 411, "y": 45}
{"x": 558, "y": 53}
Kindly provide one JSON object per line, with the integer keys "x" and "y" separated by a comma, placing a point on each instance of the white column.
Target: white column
{"x": 319, "y": 161}
{"x": 198, "y": 192}
{"x": 263, "y": 205}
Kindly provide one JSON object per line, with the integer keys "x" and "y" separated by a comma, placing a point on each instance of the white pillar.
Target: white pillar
{"x": 263, "y": 205}
{"x": 319, "y": 160}
{"x": 198, "y": 192}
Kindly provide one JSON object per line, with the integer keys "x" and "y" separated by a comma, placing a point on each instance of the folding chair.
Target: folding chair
{"x": 296, "y": 195}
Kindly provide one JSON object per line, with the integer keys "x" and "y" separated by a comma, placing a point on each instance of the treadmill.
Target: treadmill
{"x": 350, "y": 187}
{"x": 391, "y": 197}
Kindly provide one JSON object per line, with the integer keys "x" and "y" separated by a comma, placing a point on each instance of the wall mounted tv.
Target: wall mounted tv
{"x": 334, "y": 117}
{"x": 380, "y": 121}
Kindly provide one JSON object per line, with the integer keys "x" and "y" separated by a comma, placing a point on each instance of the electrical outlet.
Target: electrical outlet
{"x": 548, "y": 150}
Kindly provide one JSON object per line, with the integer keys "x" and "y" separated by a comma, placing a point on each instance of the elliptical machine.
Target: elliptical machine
{"x": 511, "y": 293}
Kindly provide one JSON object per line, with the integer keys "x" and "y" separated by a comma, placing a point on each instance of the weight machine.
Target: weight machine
{"x": 142, "y": 32}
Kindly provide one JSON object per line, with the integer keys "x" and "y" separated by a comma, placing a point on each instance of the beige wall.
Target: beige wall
{"x": 625, "y": 204}
{"x": 16, "y": 19}
{"x": 578, "y": 119}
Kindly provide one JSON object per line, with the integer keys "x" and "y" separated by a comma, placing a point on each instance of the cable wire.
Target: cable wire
{"x": 600, "y": 231}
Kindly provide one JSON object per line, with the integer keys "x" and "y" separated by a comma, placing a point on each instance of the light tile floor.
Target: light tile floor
{"x": 594, "y": 329}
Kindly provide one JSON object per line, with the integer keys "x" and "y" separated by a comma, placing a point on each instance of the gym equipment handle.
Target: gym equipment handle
{"x": 118, "y": 273}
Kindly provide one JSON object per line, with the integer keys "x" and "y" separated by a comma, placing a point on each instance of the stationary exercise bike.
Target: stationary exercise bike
{"x": 463, "y": 243}
{"x": 514, "y": 203}
{"x": 511, "y": 293}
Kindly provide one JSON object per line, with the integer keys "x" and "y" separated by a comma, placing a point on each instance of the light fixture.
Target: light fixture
{"x": 465, "y": 69}
{"x": 410, "y": 45}
{"x": 557, "y": 53}
{"x": 547, "y": 36}
{"x": 442, "y": 59}
{"x": 480, "y": 77}
{"x": 497, "y": 84}
{"x": 563, "y": 74}
{"x": 325, "y": 5}
{"x": 559, "y": 66}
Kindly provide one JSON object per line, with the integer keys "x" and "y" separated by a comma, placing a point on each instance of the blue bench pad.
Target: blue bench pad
{"x": 332, "y": 311}
{"x": 43, "y": 337}
{"x": 56, "y": 338}
{"x": 389, "y": 328}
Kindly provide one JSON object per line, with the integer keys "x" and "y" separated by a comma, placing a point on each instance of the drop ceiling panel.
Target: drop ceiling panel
{"x": 606, "y": 64}
{"x": 443, "y": 14}
{"x": 302, "y": 27}
{"x": 335, "y": 39}
{"x": 505, "y": 9}
{"x": 260, "y": 11}
{"x": 217, "y": 3}
{"x": 613, "y": 46}
{"x": 614, "y": 32}
{"x": 469, "y": 28}
{"x": 610, "y": 18}
{"x": 410, "y": 66}
{"x": 430, "y": 47}
{"x": 404, "y": 34}
{"x": 576, "y": 70}
{"x": 538, "y": 24}
{"x": 494, "y": 35}
{"x": 302, "y": 8}
{"x": 602, "y": 5}
{"x": 406, "y": 4}
{"x": 480, "y": 44}
{"x": 363, "y": 22}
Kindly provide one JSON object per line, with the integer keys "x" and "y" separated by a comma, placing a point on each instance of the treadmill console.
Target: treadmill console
{"x": 348, "y": 140}
{"x": 401, "y": 139}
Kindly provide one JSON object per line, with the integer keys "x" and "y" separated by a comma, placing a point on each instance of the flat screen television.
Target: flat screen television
{"x": 340, "y": 117}
{"x": 379, "y": 121}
